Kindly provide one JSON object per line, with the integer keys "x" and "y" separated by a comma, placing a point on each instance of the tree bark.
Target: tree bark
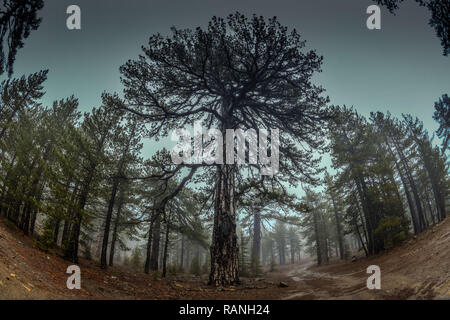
{"x": 71, "y": 252}
{"x": 316, "y": 233}
{"x": 103, "y": 264}
{"x": 338, "y": 228}
{"x": 116, "y": 225}
{"x": 149, "y": 246}
{"x": 155, "y": 243}
{"x": 403, "y": 160}
{"x": 224, "y": 249}
{"x": 166, "y": 246}
{"x": 182, "y": 252}
{"x": 256, "y": 248}
{"x": 412, "y": 210}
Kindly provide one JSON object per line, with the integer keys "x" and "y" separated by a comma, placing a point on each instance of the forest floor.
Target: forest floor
{"x": 418, "y": 269}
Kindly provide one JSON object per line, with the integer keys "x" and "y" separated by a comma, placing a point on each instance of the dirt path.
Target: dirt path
{"x": 315, "y": 285}
{"x": 419, "y": 269}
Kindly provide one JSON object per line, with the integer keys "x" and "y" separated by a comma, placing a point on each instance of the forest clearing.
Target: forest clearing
{"x": 28, "y": 273}
{"x": 240, "y": 155}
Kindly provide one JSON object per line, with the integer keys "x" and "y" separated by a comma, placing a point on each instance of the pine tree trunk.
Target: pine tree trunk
{"x": 112, "y": 199}
{"x": 325, "y": 233}
{"x": 71, "y": 251}
{"x": 66, "y": 232}
{"x": 34, "y": 212}
{"x": 25, "y": 222}
{"x": 420, "y": 213}
{"x": 440, "y": 202}
{"x": 338, "y": 229}
{"x": 427, "y": 197}
{"x": 56, "y": 231}
{"x": 317, "y": 238}
{"x": 361, "y": 188}
{"x": 149, "y": 246}
{"x": 256, "y": 249}
{"x": 224, "y": 249}
{"x": 166, "y": 246}
{"x": 412, "y": 210}
{"x": 155, "y": 243}
{"x": 292, "y": 253}
{"x": 116, "y": 225}
{"x": 182, "y": 252}
{"x": 420, "y": 219}
{"x": 361, "y": 240}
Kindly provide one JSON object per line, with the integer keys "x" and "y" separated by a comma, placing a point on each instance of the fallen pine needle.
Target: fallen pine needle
{"x": 26, "y": 287}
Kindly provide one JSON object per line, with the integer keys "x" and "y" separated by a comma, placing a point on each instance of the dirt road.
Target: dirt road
{"x": 418, "y": 269}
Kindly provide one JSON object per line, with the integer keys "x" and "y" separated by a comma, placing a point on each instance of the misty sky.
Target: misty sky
{"x": 398, "y": 68}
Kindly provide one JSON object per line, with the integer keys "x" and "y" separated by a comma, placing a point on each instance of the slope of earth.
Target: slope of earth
{"x": 29, "y": 273}
{"x": 419, "y": 269}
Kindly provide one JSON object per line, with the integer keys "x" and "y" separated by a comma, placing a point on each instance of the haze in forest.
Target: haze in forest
{"x": 399, "y": 68}
{"x": 86, "y": 170}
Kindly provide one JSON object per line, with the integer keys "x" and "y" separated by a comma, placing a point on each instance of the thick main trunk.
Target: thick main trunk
{"x": 224, "y": 249}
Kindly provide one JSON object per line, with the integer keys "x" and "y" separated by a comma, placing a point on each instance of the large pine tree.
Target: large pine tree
{"x": 238, "y": 73}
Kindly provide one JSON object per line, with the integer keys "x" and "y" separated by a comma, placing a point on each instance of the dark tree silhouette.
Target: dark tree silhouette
{"x": 17, "y": 19}
{"x": 440, "y": 17}
{"x": 238, "y": 73}
{"x": 442, "y": 116}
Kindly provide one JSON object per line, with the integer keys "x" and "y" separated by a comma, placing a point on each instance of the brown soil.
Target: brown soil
{"x": 418, "y": 269}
